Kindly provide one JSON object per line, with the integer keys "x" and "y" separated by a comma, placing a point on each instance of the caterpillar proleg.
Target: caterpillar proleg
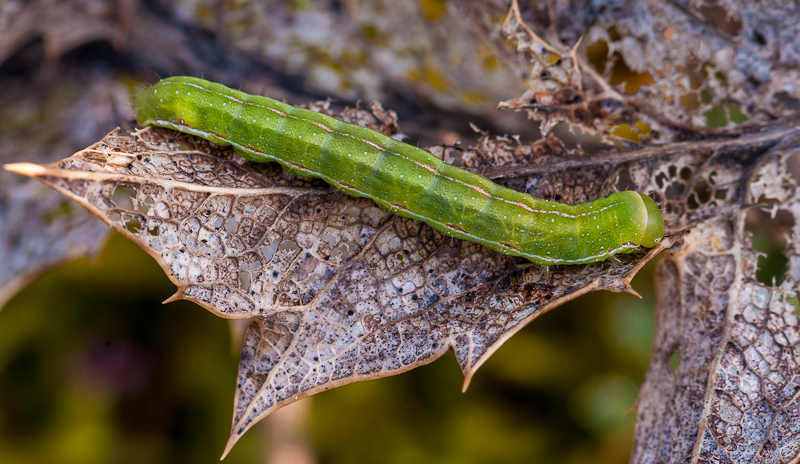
{"x": 401, "y": 178}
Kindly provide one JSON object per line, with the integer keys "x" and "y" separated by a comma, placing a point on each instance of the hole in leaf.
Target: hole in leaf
{"x": 625, "y": 132}
{"x": 716, "y": 117}
{"x": 329, "y": 239}
{"x": 695, "y": 81}
{"x": 133, "y": 225}
{"x": 661, "y": 180}
{"x": 795, "y": 301}
{"x": 123, "y": 196}
{"x": 289, "y": 245}
{"x": 689, "y": 101}
{"x": 705, "y": 96}
{"x": 337, "y": 252}
{"x": 244, "y": 281}
{"x": 702, "y": 190}
{"x": 614, "y": 34}
{"x": 269, "y": 251}
{"x": 146, "y": 204}
{"x": 675, "y": 360}
{"x": 232, "y": 225}
{"x": 675, "y": 190}
{"x": 692, "y": 202}
{"x": 735, "y": 113}
{"x": 624, "y": 181}
{"x": 553, "y": 59}
{"x": 597, "y": 54}
{"x": 769, "y": 237}
{"x": 632, "y": 133}
{"x": 720, "y": 115}
{"x": 621, "y": 72}
{"x": 643, "y": 127}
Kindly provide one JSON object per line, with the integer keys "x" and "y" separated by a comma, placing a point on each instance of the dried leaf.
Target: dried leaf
{"x": 656, "y": 72}
{"x": 39, "y": 228}
{"x": 342, "y": 290}
{"x": 359, "y": 294}
{"x": 724, "y": 378}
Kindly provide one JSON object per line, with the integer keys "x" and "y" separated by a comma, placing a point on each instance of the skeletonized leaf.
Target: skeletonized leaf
{"x": 724, "y": 378}
{"x": 656, "y": 70}
{"x": 341, "y": 291}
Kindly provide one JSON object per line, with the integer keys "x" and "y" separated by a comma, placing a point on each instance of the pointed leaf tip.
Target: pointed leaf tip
{"x": 26, "y": 169}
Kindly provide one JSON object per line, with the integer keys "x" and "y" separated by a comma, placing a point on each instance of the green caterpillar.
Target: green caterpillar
{"x": 403, "y": 179}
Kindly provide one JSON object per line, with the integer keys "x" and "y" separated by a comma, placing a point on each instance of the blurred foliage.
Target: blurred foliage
{"x": 87, "y": 374}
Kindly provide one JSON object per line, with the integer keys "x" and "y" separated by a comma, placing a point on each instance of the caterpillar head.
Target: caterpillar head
{"x": 654, "y": 222}
{"x": 640, "y": 220}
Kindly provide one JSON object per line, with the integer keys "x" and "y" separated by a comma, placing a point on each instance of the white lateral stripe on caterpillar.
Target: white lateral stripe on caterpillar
{"x": 402, "y": 178}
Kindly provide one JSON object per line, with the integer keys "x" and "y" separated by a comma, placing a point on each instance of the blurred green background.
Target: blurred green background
{"x": 94, "y": 369}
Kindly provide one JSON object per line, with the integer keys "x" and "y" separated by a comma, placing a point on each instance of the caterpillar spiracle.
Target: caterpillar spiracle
{"x": 401, "y": 178}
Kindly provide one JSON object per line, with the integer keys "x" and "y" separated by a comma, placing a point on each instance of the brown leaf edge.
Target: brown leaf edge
{"x": 284, "y": 322}
{"x": 47, "y": 175}
{"x": 609, "y": 283}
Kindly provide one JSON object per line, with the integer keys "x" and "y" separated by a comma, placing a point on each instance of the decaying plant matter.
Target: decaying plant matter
{"x": 700, "y": 104}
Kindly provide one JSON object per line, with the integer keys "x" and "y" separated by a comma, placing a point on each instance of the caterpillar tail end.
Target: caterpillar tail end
{"x": 145, "y": 107}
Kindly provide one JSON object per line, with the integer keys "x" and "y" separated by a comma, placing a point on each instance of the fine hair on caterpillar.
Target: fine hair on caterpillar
{"x": 402, "y": 178}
